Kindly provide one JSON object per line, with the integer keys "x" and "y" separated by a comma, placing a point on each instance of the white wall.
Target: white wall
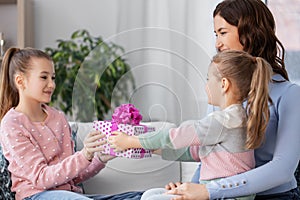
{"x": 8, "y": 23}
{"x": 183, "y": 29}
{"x": 56, "y": 19}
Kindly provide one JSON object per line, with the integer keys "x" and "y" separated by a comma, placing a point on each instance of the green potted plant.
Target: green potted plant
{"x": 92, "y": 77}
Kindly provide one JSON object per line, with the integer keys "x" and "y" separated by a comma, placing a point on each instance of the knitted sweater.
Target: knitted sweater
{"x": 40, "y": 154}
{"x": 218, "y": 140}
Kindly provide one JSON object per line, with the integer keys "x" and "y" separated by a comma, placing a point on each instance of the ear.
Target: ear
{"x": 19, "y": 81}
{"x": 225, "y": 84}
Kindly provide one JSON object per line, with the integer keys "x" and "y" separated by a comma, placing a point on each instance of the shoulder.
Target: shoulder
{"x": 12, "y": 125}
{"x": 233, "y": 116}
{"x": 13, "y": 118}
{"x": 284, "y": 92}
{"x": 279, "y": 88}
{"x": 285, "y": 96}
{"x": 54, "y": 111}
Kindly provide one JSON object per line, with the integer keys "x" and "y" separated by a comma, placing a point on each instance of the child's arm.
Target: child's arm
{"x": 121, "y": 141}
{"x": 173, "y": 138}
{"x": 152, "y": 140}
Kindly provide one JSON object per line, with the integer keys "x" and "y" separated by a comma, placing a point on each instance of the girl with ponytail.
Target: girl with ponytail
{"x": 225, "y": 140}
{"x": 36, "y": 138}
{"x": 250, "y": 77}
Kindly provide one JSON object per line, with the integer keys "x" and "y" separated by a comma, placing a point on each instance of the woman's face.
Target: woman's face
{"x": 227, "y": 36}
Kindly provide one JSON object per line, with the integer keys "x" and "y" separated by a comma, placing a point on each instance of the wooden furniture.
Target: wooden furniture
{"x": 22, "y": 22}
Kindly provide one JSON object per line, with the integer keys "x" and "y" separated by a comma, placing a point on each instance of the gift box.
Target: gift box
{"x": 108, "y": 127}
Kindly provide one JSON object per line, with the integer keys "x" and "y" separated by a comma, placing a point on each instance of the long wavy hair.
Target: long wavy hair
{"x": 256, "y": 29}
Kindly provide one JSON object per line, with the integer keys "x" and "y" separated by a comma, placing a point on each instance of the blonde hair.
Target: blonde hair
{"x": 15, "y": 60}
{"x": 251, "y": 75}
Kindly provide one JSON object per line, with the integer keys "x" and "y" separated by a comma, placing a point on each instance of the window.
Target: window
{"x": 287, "y": 17}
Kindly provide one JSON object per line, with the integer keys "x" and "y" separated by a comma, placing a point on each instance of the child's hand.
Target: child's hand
{"x": 119, "y": 141}
{"x": 172, "y": 185}
{"x": 92, "y": 144}
{"x": 190, "y": 191}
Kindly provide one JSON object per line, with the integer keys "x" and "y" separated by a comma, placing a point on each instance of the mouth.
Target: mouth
{"x": 48, "y": 92}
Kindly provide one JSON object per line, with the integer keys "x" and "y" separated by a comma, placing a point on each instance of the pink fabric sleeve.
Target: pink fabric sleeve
{"x": 184, "y": 136}
{"x": 93, "y": 169}
{"x": 194, "y": 151}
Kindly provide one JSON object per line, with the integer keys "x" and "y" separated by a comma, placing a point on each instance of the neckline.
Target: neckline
{"x": 42, "y": 122}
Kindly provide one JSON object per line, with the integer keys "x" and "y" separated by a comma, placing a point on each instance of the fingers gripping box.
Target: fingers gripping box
{"x": 107, "y": 127}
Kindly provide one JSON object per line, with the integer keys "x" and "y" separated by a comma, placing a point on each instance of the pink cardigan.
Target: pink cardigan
{"x": 41, "y": 154}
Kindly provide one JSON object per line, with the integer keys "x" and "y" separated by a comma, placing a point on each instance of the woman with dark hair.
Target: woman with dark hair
{"x": 250, "y": 26}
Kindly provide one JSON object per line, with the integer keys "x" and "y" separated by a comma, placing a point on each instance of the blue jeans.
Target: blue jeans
{"x": 157, "y": 194}
{"x": 68, "y": 195}
{"x": 196, "y": 176}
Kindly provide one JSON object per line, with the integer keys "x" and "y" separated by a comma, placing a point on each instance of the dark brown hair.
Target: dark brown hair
{"x": 256, "y": 28}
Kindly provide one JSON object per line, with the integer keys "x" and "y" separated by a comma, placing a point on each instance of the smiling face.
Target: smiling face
{"x": 38, "y": 85}
{"x": 227, "y": 36}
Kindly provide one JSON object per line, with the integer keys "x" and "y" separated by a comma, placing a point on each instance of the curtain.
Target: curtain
{"x": 168, "y": 44}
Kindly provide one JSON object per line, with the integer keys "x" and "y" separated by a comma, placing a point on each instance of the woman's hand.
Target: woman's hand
{"x": 120, "y": 141}
{"x": 92, "y": 144}
{"x": 190, "y": 191}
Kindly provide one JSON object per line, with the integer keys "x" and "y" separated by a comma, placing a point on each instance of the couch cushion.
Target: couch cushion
{"x": 123, "y": 174}
{"x": 5, "y": 181}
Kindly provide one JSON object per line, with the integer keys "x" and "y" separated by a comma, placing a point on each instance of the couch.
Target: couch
{"x": 123, "y": 174}
{"x": 120, "y": 174}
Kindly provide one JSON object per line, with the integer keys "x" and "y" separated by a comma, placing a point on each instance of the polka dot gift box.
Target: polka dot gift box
{"x": 126, "y": 119}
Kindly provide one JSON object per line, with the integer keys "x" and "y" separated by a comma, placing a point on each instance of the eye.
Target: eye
{"x": 53, "y": 77}
{"x": 44, "y": 77}
{"x": 223, "y": 33}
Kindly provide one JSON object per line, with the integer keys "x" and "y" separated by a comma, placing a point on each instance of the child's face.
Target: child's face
{"x": 213, "y": 86}
{"x": 39, "y": 81}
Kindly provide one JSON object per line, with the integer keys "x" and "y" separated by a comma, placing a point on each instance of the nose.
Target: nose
{"x": 51, "y": 84}
{"x": 218, "y": 43}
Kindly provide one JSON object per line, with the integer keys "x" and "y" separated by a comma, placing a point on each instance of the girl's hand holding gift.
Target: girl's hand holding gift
{"x": 121, "y": 133}
{"x": 93, "y": 144}
{"x": 120, "y": 141}
{"x": 189, "y": 191}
